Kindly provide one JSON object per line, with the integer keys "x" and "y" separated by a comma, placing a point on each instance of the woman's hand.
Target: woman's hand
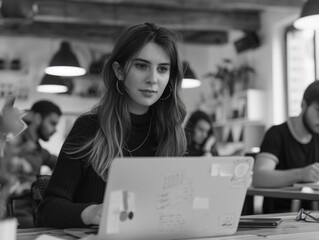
{"x": 209, "y": 144}
{"x": 310, "y": 173}
{"x": 92, "y": 214}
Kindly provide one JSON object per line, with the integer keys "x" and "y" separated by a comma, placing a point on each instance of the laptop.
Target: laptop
{"x": 174, "y": 197}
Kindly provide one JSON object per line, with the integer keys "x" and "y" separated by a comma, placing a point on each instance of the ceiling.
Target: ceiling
{"x": 199, "y": 21}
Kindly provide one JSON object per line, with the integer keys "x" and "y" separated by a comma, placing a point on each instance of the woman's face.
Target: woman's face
{"x": 147, "y": 77}
{"x": 201, "y": 131}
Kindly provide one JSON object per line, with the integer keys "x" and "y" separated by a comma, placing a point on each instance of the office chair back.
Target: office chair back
{"x": 37, "y": 192}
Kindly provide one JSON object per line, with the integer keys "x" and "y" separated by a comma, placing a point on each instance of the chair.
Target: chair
{"x": 34, "y": 194}
{"x": 37, "y": 192}
{"x": 26, "y": 194}
{"x": 248, "y": 207}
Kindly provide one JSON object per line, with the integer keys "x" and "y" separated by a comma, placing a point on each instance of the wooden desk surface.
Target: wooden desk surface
{"x": 289, "y": 192}
{"x": 289, "y": 229}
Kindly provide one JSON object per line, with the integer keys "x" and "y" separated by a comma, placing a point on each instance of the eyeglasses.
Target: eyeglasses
{"x": 306, "y": 216}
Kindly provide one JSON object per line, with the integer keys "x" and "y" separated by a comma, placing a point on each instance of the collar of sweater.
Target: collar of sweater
{"x": 141, "y": 121}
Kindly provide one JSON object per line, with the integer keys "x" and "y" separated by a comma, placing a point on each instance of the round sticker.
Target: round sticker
{"x": 241, "y": 169}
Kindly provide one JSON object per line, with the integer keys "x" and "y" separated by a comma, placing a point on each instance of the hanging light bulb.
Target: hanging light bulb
{"x": 189, "y": 79}
{"x": 309, "y": 18}
{"x": 64, "y": 63}
{"x": 55, "y": 84}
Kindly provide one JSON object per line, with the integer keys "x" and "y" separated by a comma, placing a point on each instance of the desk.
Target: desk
{"x": 288, "y": 192}
{"x": 33, "y": 233}
{"x": 289, "y": 229}
{"x": 293, "y": 193}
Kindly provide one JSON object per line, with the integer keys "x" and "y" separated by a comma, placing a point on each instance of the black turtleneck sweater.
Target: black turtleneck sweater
{"x": 74, "y": 184}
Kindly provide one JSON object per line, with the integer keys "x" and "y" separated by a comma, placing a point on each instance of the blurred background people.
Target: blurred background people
{"x": 289, "y": 152}
{"x": 200, "y": 135}
{"x": 27, "y": 157}
{"x": 10, "y": 123}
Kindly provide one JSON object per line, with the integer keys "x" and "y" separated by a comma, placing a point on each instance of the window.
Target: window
{"x": 301, "y": 66}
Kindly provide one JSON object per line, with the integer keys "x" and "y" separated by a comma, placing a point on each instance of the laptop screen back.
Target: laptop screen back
{"x": 174, "y": 197}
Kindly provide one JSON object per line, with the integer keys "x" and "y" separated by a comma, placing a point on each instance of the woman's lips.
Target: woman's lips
{"x": 148, "y": 93}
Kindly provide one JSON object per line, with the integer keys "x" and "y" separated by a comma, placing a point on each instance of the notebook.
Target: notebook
{"x": 174, "y": 197}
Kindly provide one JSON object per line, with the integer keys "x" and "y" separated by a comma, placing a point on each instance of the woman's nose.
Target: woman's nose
{"x": 152, "y": 76}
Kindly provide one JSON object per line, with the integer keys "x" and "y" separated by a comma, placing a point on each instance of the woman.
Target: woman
{"x": 200, "y": 135}
{"x": 140, "y": 114}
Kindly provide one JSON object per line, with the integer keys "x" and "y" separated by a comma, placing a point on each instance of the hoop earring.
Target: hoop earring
{"x": 118, "y": 89}
{"x": 169, "y": 94}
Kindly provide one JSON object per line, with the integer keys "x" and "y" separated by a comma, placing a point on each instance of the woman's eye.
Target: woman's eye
{"x": 140, "y": 66}
{"x": 162, "y": 69}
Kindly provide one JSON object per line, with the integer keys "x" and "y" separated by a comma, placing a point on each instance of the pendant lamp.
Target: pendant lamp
{"x": 55, "y": 84}
{"x": 309, "y": 18}
{"x": 189, "y": 79}
{"x": 64, "y": 63}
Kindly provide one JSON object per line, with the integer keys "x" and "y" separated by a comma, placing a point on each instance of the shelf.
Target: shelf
{"x": 7, "y": 72}
{"x": 238, "y": 124}
{"x": 238, "y": 121}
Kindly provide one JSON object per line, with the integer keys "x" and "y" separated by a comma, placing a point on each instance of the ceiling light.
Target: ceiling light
{"x": 64, "y": 63}
{"x": 309, "y": 18}
{"x": 55, "y": 84}
{"x": 190, "y": 83}
{"x": 189, "y": 79}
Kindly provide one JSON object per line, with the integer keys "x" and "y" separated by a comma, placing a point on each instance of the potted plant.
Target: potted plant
{"x": 234, "y": 78}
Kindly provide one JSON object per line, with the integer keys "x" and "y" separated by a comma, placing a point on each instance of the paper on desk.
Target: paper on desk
{"x": 314, "y": 185}
{"x": 240, "y": 237}
{"x": 47, "y": 237}
{"x": 295, "y": 236}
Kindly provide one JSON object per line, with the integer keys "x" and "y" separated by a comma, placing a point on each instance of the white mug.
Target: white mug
{"x": 8, "y": 229}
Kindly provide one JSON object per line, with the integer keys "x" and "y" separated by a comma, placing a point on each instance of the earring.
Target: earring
{"x": 118, "y": 89}
{"x": 169, "y": 94}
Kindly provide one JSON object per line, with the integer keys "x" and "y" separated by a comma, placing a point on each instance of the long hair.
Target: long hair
{"x": 113, "y": 112}
{"x": 191, "y": 123}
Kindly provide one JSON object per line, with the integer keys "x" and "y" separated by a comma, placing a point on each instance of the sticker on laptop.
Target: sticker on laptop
{"x": 120, "y": 209}
{"x": 226, "y": 222}
{"x": 242, "y": 173}
{"x": 176, "y": 189}
{"x": 171, "y": 222}
{"x": 201, "y": 203}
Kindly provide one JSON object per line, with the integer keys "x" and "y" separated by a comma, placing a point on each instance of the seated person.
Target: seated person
{"x": 140, "y": 114}
{"x": 26, "y": 153}
{"x": 9, "y": 123}
{"x": 27, "y": 157}
{"x": 289, "y": 152}
{"x": 200, "y": 135}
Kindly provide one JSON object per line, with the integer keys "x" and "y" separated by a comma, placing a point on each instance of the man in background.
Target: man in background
{"x": 289, "y": 152}
{"x": 26, "y": 153}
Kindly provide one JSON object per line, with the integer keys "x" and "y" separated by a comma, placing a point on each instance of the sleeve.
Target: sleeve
{"x": 272, "y": 143}
{"x": 58, "y": 208}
